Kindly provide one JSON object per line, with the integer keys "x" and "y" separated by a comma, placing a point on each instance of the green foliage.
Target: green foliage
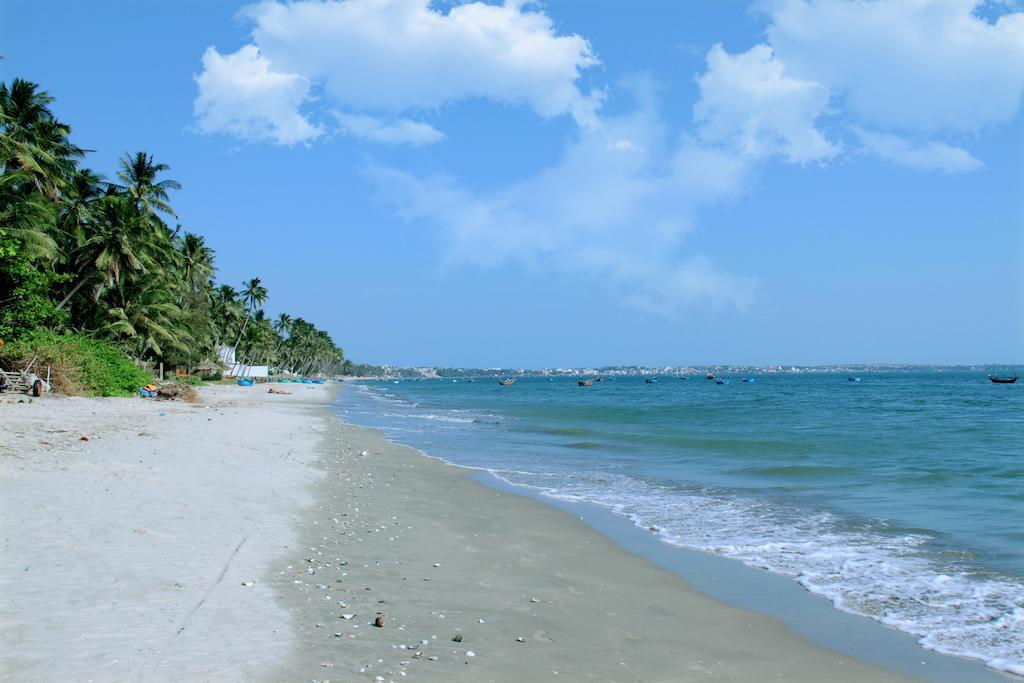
{"x": 80, "y": 364}
{"x": 25, "y": 292}
{"x": 78, "y": 252}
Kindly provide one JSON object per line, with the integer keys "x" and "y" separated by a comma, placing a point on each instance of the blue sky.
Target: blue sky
{"x": 573, "y": 183}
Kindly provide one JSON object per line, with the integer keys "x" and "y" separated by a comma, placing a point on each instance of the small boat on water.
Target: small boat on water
{"x": 507, "y": 382}
{"x": 721, "y": 381}
{"x": 748, "y": 380}
{"x": 853, "y": 379}
{"x": 1003, "y": 380}
{"x": 651, "y": 380}
{"x": 585, "y": 382}
{"x": 710, "y": 375}
{"x": 598, "y": 379}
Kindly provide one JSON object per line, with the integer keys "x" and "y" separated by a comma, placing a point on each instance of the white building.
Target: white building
{"x": 232, "y": 368}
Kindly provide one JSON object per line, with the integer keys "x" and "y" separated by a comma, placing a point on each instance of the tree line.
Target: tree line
{"x": 86, "y": 254}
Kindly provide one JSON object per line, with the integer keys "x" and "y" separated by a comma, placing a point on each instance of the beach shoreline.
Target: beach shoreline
{"x": 232, "y": 544}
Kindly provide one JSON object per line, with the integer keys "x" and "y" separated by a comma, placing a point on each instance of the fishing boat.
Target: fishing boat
{"x": 721, "y": 381}
{"x": 585, "y": 382}
{"x": 507, "y": 382}
{"x": 1003, "y": 380}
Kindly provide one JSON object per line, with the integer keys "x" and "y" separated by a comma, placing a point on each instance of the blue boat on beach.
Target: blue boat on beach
{"x": 245, "y": 382}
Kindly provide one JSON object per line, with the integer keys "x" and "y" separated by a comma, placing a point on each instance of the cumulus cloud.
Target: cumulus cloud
{"x": 616, "y": 209}
{"x": 926, "y": 156}
{"x": 895, "y": 75}
{"x": 242, "y": 95}
{"x": 748, "y": 102}
{"x": 921, "y": 66}
{"x": 387, "y": 57}
{"x": 393, "y": 132}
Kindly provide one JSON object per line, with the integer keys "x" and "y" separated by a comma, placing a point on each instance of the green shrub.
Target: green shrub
{"x": 79, "y": 364}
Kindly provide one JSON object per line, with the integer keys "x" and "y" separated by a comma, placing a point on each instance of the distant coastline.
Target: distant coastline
{"x": 429, "y": 372}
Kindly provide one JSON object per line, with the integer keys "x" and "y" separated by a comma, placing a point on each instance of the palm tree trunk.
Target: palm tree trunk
{"x": 73, "y": 291}
{"x": 241, "y": 331}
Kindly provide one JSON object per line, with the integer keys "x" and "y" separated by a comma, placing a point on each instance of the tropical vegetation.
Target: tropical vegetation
{"x": 105, "y": 259}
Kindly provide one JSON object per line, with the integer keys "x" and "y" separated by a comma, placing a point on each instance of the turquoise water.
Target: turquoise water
{"x": 900, "y": 497}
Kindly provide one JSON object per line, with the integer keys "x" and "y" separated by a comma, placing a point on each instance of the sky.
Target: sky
{"x": 578, "y": 183}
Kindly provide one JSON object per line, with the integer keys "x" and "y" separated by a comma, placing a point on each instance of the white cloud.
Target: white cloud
{"x": 606, "y": 213}
{"x": 922, "y": 66}
{"x": 925, "y": 156}
{"x": 240, "y": 94}
{"x": 393, "y": 132}
{"x": 747, "y": 101}
{"x": 898, "y": 74}
{"x": 374, "y": 57}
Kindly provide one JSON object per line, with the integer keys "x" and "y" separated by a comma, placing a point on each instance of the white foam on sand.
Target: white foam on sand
{"x": 131, "y": 556}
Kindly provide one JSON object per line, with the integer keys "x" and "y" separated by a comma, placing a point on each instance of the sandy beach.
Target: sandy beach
{"x": 251, "y": 536}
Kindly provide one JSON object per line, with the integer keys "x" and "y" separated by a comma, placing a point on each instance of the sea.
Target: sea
{"x": 899, "y": 496}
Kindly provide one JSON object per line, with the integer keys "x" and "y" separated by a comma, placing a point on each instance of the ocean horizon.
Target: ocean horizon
{"x": 896, "y": 497}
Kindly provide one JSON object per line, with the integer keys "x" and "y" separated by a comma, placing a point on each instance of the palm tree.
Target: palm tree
{"x": 253, "y": 294}
{"x": 196, "y": 261}
{"x": 282, "y": 326}
{"x": 80, "y": 207}
{"x": 139, "y": 175}
{"x": 26, "y": 217}
{"x": 65, "y": 231}
{"x": 32, "y": 140}
{"x": 118, "y": 243}
{"x": 144, "y": 316}
{"x": 227, "y": 311}
{"x": 36, "y": 159}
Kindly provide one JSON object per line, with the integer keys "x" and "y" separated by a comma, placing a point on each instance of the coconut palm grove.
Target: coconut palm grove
{"x": 88, "y": 260}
